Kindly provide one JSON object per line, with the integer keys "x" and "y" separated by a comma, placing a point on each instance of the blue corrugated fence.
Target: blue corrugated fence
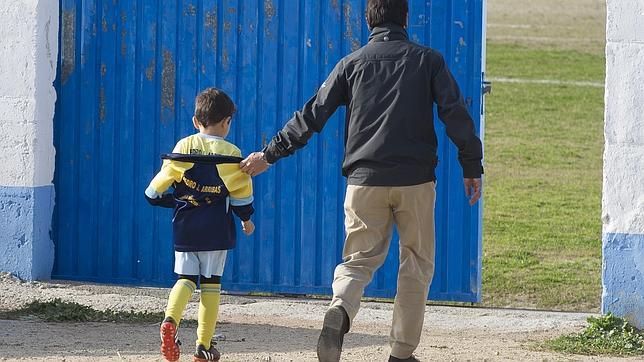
{"x": 128, "y": 75}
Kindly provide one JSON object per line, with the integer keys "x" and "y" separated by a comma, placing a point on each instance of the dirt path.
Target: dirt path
{"x": 267, "y": 329}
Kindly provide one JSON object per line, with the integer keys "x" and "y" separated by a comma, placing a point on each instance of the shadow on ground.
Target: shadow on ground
{"x": 33, "y": 339}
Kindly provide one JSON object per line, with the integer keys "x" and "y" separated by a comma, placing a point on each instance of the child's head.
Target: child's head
{"x": 213, "y": 111}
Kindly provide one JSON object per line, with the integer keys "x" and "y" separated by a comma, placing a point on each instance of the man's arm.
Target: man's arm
{"x": 459, "y": 126}
{"x": 297, "y": 131}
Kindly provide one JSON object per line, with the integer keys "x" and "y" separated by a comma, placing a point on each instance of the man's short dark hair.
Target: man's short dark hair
{"x": 213, "y": 106}
{"x": 387, "y": 11}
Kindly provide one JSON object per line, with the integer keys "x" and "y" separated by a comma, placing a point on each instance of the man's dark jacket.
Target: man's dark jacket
{"x": 389, "y": 87}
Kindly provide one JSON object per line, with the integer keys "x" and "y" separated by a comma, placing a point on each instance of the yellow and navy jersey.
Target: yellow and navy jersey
{"x": 207, "y": 190}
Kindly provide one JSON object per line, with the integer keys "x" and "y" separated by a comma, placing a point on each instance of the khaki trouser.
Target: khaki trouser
{"x": 370, "y": 212}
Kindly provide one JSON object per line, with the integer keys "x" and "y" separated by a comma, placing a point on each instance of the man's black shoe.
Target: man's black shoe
{"x": 336, "y": 324}
{"x": 410, "y": 359}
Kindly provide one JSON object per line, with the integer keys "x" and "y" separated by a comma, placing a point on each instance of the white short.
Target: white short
{"x": 206, "y": 263}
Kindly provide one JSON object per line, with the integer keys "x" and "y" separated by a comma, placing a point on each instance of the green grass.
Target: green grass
{"x": 606, "y": 335}
{"x": 519, "y": 61}
{"x": 542, "y": 228}
{"x": 60, "y": 311}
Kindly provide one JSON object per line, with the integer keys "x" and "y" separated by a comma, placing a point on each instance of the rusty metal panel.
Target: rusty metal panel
{"x": 128, "y": 75}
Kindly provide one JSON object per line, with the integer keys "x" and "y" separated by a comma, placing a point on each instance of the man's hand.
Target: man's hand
{"x": 254, "y": 164}
{"x": 472, "y": 189}
{"x": 248, "y": 227}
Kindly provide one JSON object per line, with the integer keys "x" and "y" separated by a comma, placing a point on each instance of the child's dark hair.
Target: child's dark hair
{"x": 386, "y": 11}
{"x": 213, "y": 106}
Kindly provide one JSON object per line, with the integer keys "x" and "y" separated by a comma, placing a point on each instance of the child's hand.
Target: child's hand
{"x": 248, "y": 227}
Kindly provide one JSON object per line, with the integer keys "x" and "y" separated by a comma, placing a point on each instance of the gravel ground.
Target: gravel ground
{"x": 268, "y": 329}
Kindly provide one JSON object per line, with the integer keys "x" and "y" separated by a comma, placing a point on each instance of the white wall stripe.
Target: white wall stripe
{"x": 622, "y": 199}
{"x": 573, "y": 83}
{"x": 29, "y": 33}
{"x": 544, "y": 39}
{"x": 511, "y": 26}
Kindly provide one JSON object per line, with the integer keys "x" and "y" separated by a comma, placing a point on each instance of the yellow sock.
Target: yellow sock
{"x": 179, "y": 297}
{"x": 208, "y": 309}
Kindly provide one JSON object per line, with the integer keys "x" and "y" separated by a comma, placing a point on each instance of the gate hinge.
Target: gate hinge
{"x": 487, "y": 87}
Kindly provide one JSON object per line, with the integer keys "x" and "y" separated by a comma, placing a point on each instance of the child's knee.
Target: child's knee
{"x": 192, "y": 278}
{"x": 214, "y": 279}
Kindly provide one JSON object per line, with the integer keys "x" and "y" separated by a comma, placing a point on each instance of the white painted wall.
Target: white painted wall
{"x": 28, "y": 53}
{"x": 623, "y": 199}
{"x": 623, "y": 194}
{"x": 29, "y": 48}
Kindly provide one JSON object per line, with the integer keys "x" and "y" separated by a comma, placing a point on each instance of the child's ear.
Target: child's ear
{"x": 195, "y": 122}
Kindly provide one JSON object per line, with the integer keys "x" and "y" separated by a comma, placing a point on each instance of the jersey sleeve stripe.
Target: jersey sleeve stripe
{"x": 241, "y": 202}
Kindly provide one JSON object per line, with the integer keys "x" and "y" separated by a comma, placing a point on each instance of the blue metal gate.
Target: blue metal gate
{"x": 128, "y": 73}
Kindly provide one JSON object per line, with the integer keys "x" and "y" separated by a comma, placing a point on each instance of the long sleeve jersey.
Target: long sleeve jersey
{"x": 205, "y": 193}
{"x": 389, "y": 88}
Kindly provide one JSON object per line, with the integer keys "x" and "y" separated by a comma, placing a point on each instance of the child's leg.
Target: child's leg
{"x": 186, "y": 264}
{"x": 208, "y": 309}
{"x": 212, "y": 267}
{"x": 179, "y": 297}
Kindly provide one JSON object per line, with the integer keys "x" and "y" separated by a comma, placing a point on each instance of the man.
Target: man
{"x": 389, "y": 87}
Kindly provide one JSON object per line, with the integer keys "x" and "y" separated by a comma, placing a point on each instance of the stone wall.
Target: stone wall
{"x": 623, "y": 195}
{"x": 29, "y": 48}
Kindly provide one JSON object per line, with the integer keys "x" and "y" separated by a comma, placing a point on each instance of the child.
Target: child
{"x": 205, "y": 193}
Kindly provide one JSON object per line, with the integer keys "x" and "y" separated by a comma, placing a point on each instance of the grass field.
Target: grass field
{"x": 542, "y": 228}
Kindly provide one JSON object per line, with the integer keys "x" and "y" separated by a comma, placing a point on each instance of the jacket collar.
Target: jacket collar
{"x": 388, "y": 32}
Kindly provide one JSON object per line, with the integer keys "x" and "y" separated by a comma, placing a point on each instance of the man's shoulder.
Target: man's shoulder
{"x": 427, "y": 50}
{"x": 355, "y": 56}
{"x": 409, "y": 47}
{"x": 357, "y": 53}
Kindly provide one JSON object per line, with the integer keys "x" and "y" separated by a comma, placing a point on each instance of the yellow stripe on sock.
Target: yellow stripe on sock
{"x": 208, "y": 311}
